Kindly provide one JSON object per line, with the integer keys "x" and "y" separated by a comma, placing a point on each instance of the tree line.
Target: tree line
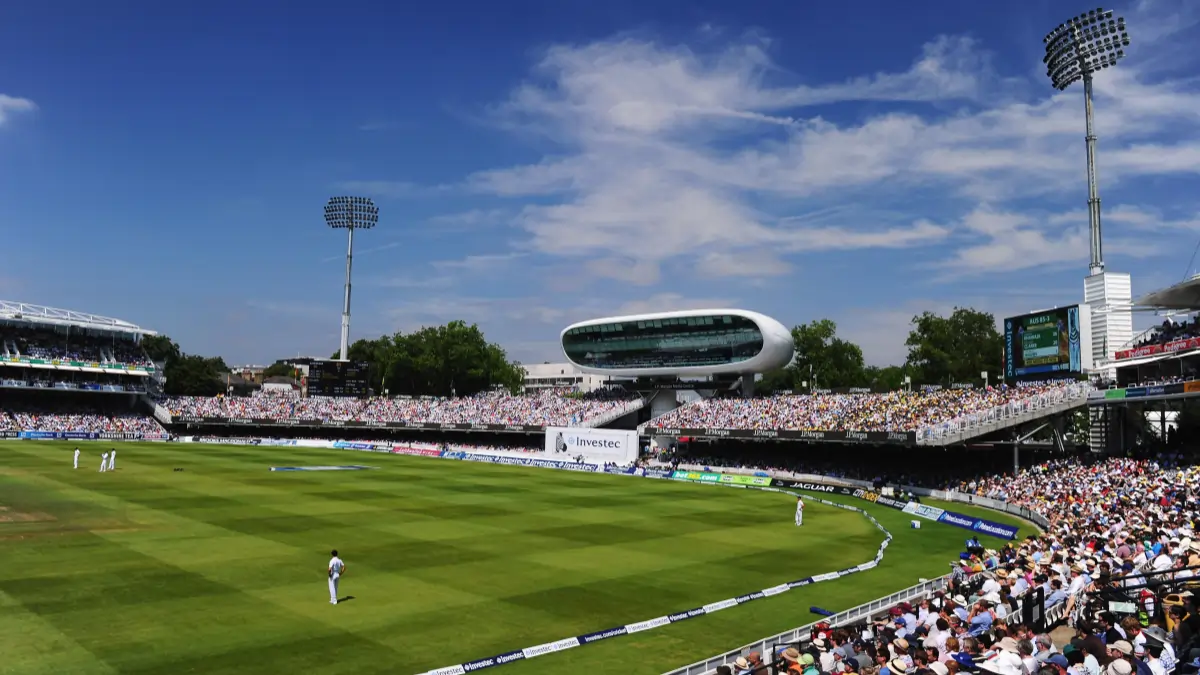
{"x": 942, "y": 350}
{"x": 448, "y": 360}
{"x": 456, "y": 360}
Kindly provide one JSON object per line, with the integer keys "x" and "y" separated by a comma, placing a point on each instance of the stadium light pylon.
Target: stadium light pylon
{"x": 349, "y": 213}
{"x": 1076, "y": 49}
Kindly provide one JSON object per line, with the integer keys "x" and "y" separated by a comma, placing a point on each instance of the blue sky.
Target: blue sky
{"x": 538, "y": 163}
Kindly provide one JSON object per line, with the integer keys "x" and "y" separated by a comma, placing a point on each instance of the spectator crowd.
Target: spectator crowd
{"x": 1111, "y": 520}
{"x": 895, "y": 411}
{"x": 76, "y": 345}
{"x": 544, "y": 408}
{"x": 1170, "y": 331}
{"x": 79, "y": 420}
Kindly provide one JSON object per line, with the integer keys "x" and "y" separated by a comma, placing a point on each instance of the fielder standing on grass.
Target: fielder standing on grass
{"x": 112, "y": 460}
{"x": 336, "y": 569}
{"x": 799, "y": 511}
{"x": 103, "y": 462}
{"x": 76, "y": 458}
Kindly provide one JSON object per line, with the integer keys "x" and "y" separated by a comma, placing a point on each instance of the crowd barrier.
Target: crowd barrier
{"x": 850, "y": 616}
{"x": 1002, "y": 415}
{"x": 81, "y": 436}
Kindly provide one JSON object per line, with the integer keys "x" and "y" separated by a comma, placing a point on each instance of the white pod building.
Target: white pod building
{"x": 690, "y": 343}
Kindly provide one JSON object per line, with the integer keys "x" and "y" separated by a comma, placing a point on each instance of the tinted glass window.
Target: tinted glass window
{"x": 696, "y": 341}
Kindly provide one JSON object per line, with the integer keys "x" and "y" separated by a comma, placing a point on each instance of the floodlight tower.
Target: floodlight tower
{"x": 350, "y": 213}
{"x": 1075, "y": 50}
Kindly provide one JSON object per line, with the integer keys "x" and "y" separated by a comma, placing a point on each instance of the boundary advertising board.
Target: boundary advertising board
{"x": 597, "y": 445}
{"x": 988, "y": 527}
{"x": 877, "y": 437}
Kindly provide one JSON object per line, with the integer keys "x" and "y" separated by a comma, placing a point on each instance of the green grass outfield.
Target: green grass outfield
{"x": 221, "y": 568}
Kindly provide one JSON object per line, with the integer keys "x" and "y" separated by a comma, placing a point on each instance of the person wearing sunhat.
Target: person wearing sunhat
{"x": 1119, "y": 667}
{"x": 741, "y": 666}
{"x": 824, "y": 657}
{"x": 790, "y": 658}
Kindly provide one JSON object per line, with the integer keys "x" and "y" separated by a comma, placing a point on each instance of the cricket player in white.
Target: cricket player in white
{"x": 112, "y": 460}
{"x": 103, "y": 461}
{"x": 336, "y": 569}
{"x": 799, "y": 511}
{"x": 76, "y": 458}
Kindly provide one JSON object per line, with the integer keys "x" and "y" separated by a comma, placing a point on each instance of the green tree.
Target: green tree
{"x": 825, "y": 359}
{"x": 955, "y": 348}
{"x": 888, "y": 378}
{"x": 187, "y": 374}
{"x": 280, "y": 369}
{"x": 822, "y": 359}
{"x": 160, "y": 348}
{"x": 454, "y": 359}
{"x": 190, "y": 375}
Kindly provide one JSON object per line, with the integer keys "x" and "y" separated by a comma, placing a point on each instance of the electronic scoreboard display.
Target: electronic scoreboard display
{"x": 1053, "y": 343}
{"x": 338, "y": 378}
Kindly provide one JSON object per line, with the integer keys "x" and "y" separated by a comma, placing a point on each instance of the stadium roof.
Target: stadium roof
{"x": 1183, "y": 296}
{"x": 23, "y": 311}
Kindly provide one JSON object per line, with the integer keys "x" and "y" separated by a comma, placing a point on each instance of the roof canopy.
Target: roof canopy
{"x": 22, "y": 311}
{"x": 1183, "y": 296}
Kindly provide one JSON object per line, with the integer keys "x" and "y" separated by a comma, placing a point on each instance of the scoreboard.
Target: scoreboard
{"x": 1047, "y": 344}
{"x": 338, "y": 378}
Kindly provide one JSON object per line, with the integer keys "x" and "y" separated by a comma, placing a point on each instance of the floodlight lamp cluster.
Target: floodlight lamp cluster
{"x": 1082, "y": 45}
{"x": 359, "y": 213}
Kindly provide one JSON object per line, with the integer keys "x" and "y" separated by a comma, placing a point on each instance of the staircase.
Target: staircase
{"x": 613, "y": 415}
{"x": 160, "y": 412}
{"x": 1003, "y": 417}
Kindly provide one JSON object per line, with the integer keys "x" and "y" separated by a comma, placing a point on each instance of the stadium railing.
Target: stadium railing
{"x": 614, "y": 415}
{"x": 986, "y": 502}
{"x": 849, "y": 616}
{"x": 1006, "y": 415}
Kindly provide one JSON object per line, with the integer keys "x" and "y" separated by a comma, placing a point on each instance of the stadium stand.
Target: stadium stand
{"x": 544, "y": 408}
{"x": 895, "y": 411}
{"x": 77, "y": 419}
{"x": 1169, "y": 331}
{"x": 1112, "y": 521}
{"x": 45, "y": 343}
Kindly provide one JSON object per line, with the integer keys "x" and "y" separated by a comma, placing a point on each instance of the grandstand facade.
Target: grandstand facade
{"x": 75, "y": 375}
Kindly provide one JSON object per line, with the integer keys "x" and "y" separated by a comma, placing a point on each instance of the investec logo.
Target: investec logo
{"x": 587, "y": 442}
{"x": 958, "y": 520}
{"x": 991, "y": 529}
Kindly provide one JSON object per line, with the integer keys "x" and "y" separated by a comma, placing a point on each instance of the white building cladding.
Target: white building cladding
{"x": 696, "y": 342}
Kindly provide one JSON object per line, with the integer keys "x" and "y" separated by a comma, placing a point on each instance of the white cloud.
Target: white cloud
{"x": 471, "y": 218}
{"x": 667, "y": 153}
{"x": 1014, "y": 241}
{"x": 670, "y": 169}
{"x": 13, "y": 104}
{"x": 668, "y": 302}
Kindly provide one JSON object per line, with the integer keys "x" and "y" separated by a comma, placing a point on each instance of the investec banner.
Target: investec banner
{"x": 597, "y": 445}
